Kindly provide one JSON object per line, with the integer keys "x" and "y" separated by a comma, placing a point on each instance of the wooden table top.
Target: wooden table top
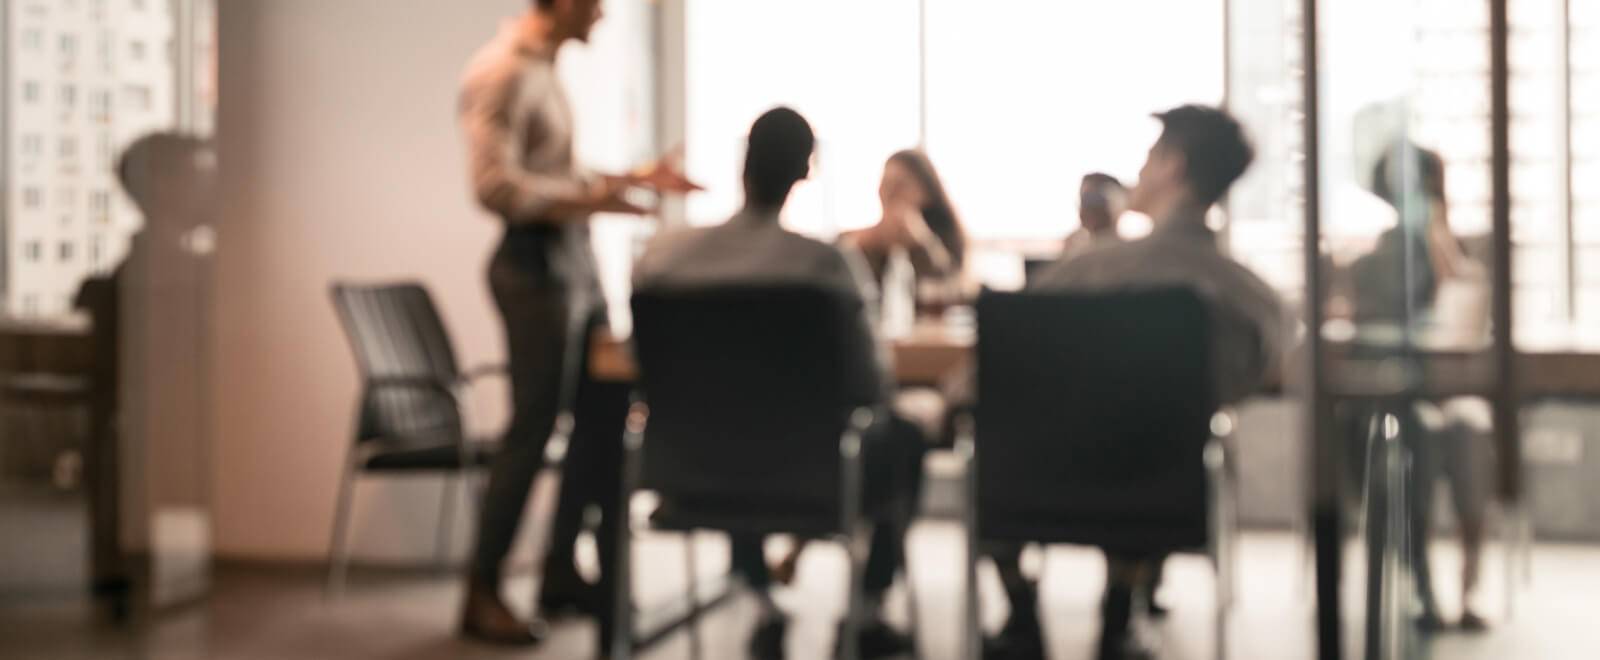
{"x": 1548, "y": 364}
{"x": 921, "y": 358}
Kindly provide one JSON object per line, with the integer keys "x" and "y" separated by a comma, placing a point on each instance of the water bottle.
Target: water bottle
{"x": 899, "y": 294}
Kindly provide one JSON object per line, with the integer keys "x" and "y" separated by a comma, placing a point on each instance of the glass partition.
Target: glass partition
{"x": 106, "y": 182}
{"x": 1396, "y": 159}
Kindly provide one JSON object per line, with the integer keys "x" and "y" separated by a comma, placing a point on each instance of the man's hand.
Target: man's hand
{"x": 666, "y": 175}
{"x": 608, "y": 195}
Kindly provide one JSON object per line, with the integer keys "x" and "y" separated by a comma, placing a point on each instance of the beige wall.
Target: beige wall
{"x": 340, "y": 160}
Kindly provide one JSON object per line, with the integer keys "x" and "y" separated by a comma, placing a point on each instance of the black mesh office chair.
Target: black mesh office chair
{"x": 754, "y": 420}
{"x": 412, "y": 409}
{"x": 1093, "y": 426}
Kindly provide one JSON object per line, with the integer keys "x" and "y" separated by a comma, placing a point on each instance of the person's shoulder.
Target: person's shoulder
{"x": 1094, "y": 257}
{"x": 663, "y": 253}
{"x": 837, "y": 264}
{"x": 815, "y": 245}
{"x": 673, "y": 239}
{"x": 496, "y": 66}
{"x": 835, "y": 254}
{"x": 1249, "y": 282}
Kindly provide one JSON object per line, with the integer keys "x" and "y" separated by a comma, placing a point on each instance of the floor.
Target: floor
{"x": 262, "y": 613}
{"x": 43, "y": 538}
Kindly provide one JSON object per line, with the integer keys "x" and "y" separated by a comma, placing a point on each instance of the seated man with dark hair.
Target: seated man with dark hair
{"x": 753, "y": 248}
{"x": 1200, "y": 153}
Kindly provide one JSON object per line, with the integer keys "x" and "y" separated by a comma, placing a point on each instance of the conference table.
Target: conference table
{"x": 1557, "y": 362}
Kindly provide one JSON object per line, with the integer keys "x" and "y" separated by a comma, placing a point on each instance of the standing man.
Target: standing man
{"x": 519, "y": 130}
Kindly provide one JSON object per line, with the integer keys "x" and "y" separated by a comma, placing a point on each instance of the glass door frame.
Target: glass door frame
{"x": 1326, "y": 455}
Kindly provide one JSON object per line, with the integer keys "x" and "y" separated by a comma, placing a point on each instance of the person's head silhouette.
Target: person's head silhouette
{"x": 779, "y": 156}
{"x": 171, "y": 178}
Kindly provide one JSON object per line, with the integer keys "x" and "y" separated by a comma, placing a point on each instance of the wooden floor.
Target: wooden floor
{"x": 261, "y": 613}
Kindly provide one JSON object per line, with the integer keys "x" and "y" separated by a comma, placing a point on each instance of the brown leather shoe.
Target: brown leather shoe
{"x": 784, "y": 571}
{"x": 486, "y": 618}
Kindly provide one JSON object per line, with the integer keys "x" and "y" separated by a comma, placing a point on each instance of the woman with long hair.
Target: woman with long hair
{"x": 917, "y": 216}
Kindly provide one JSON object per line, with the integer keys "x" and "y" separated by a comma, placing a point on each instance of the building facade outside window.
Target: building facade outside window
{"x": 127, "y": 95}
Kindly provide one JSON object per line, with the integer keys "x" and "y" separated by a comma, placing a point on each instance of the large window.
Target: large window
{"x": 1026, "y": 97}
{"x": 1423, "y": 72}
{"x": 64, "y": 150}
{"x": 1583, "y": 148}
{"x": 850, "y": 66}
{"x": 1015, "y": 101}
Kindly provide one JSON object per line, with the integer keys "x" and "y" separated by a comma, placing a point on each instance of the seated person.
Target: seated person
{"x": 1402, "y": 283}
{"x": 753, "y": 248}
{"x": 1101, "y": 201}
{"x": 1200, "y": 153}
{"x": 917, "y": 216}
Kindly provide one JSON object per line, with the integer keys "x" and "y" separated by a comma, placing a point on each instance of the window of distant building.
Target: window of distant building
{"x": 103, "y": 150}
{"x": 32, "y": 145}
{"x": 32, "y": 251}
{"x": 32, "y": 198}
{"x": 136, "y": 51}
{"x": 65, "y": 251}
{"x": 107, "y": 53}
{"x": 68, "y": 147}
{"x": 100, "y": 104}
{"x": 30, "y": 92}
{"x": 33, "y": 40}
{"x": 138, "y": 96}
{"x": 69, "y": 45}
{"x": 100, "y": 204}
{"x": 69, "y": 96}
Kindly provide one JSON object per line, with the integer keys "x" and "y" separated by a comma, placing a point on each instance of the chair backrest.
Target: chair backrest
{"x": 397, "y": 337}
{"x": 1093, "y": 414}
{"x": 1033, "y": 266}
{"x": 749, "y": 389}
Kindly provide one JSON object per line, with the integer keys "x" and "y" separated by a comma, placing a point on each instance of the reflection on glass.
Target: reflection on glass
{"x": 102, "y": 379}
{"x": 1405, "y": 194}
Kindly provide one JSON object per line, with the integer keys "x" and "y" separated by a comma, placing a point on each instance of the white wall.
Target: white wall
{"x": 340, "y": 159}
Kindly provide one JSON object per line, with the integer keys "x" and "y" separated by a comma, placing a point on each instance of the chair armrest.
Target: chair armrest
{"x": 485, "y": 371}
{"x": 1220, "y": 446}
{"x": 633, "y": 433}
{"x": 852, "y": 489}
{"x": 965, "y": 426}
{"x": 410, "y": 382}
